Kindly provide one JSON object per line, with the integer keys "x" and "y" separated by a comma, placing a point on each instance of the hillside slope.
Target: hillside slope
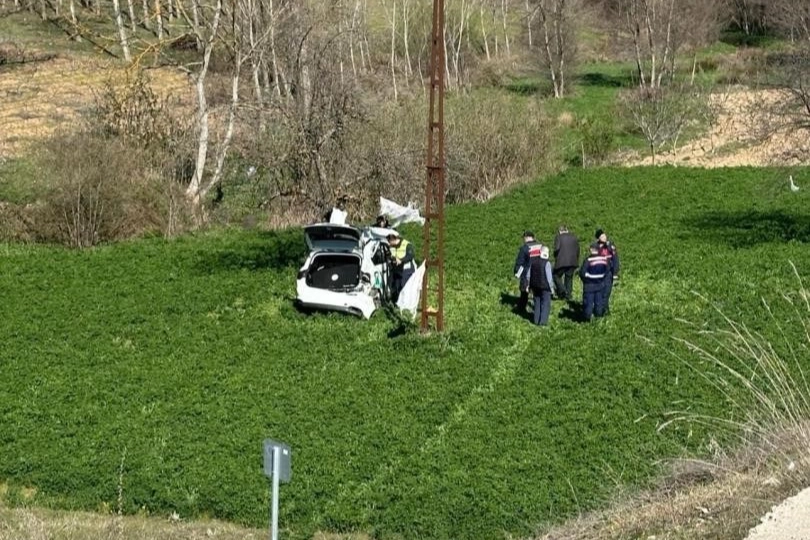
{"x": 162, "y": 365}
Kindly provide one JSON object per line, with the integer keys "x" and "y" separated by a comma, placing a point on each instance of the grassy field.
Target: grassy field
{"x": 157, "y": 367}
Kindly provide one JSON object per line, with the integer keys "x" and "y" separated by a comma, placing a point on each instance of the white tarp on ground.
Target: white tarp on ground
{"x": 399, "y": 214}
{"x": 409, "y": 296}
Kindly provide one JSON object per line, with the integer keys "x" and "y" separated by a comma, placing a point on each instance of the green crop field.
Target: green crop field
{"x": 160, "y": 366}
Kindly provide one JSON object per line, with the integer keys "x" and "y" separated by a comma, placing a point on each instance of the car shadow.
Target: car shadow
{"x": 274, "y": 250}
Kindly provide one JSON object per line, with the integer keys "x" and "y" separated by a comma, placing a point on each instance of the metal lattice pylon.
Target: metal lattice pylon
{"x": 432, "y": 300}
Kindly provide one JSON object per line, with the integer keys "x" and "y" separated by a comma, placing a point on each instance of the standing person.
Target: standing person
{"x": 593, "y": 273}
{"x": 566, "y": 261}
{"x": 608, "y": 250}
{"x": 382, "y": 222}
{"x": 403, "y": 264}
{"x": 542, "y": 285}
{"x": 528, "y": 251}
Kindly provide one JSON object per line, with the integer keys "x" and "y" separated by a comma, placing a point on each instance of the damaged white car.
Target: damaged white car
{"x": 347, "y": 269}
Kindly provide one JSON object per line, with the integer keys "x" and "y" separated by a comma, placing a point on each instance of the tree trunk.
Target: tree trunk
{"x": 145, "y": 10}
{"x": 77, "y": 36}
{"x": 216, "y": 178}
{"x": 549, "y": 55}
{"x": 504, "y": 13}
{"x": 193, "y": 189}
{"x": 529, "y": 19}
{"x": 352, "y": 31}
{"x": 406, "y": 36}
{"x": 484, "y": 32}
{"x": 393, "y": 46}
{"x": 133, "y": 25}
{"x": 122, "y": 31}
{"x": 159, "y": 19}
{"x": 195, "y": 20}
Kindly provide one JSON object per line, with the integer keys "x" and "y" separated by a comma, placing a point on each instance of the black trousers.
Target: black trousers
{"x": 398, "y": 282}
{"x": 565, "y": 289}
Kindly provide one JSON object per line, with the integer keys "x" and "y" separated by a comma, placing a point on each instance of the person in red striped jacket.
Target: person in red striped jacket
{"x": 593, "y": 273}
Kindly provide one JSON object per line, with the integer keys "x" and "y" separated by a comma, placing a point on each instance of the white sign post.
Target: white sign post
{"x": 278, "y": 468}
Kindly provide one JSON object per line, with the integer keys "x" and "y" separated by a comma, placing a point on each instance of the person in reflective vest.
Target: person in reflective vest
{"x": 402, "y": 263}
{"x": 593, "y": 273}
{"x": 542, "y": 285}
{"x": 528, "y": 251}
{"x": 608, "y": 250}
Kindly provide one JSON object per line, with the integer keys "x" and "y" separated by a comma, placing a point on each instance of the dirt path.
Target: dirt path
{"x": 790, "y": 520}
{"x": 730, "y": 143}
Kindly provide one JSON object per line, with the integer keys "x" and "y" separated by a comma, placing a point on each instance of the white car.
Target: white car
{"x": 347, "y": 269}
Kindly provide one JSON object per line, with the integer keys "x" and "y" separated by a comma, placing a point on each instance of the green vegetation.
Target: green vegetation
{"x": 176, "y": 358}
{"x": 19, "y": 181}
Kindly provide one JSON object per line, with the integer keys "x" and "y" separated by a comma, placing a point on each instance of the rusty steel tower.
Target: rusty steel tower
{"x": 432, "y": 300}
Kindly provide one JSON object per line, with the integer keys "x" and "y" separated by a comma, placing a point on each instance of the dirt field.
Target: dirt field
{"x": 731, "y": 141}
{"x": 38, "y": 98}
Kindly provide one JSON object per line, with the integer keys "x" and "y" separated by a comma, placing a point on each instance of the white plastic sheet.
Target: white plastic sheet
{"x": 338, "y": 216}
{"x": 409, "y": 296}
{"x": 399, "y": 214}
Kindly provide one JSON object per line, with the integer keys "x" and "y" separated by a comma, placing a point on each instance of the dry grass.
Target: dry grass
{"x": 37, "y": 99}
{"x": 43, "y": 524}
{"x": 36, "y": 524}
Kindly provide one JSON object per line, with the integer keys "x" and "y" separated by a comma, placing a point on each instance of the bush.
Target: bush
{"x": 493, "y": 141}
{"x": 598, "y": 139}
{"x": 101, "y": 190}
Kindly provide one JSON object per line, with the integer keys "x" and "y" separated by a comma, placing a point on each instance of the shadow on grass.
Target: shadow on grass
{"x": 572, "y": 312}
{"x": 268, "y": 250}
{"x": 528, "y": 87}
{"x": 510, "y": 300}
{"x": 625, "y": 80}
{"x": 747, "y": 228}
{"x": 738, "y": 38}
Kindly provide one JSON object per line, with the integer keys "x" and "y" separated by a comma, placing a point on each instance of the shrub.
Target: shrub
{"x": 598, "y": 139}
{"x": 100, "y": 190}
{"x": 493, "y": 141}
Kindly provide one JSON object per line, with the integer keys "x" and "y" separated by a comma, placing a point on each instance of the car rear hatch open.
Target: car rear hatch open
{"x": 332, "y": 237}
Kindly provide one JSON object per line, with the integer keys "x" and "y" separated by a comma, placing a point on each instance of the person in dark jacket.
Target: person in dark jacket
{"x": 593, "y": 273}
{"x": 566, "y": 261}
{"x": 608, "y": 250}
{"x": 402, "y": 265}
{"x": 542, "y": 285}
{"x": 528, "y": 251}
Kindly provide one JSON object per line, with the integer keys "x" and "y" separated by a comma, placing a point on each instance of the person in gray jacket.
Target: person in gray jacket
{"x": 566, "y": 262}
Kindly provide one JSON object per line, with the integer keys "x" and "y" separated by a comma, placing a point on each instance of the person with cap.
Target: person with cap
{"x": 528, "y": 251}
{"x": 402, "y": 261}
{"x": 382, "y": 222}
{"x": 542, "y": 285}
{"x": 566, "y": 261}
{"x": 608, "y": 250}
{"x": 594, "y": 274}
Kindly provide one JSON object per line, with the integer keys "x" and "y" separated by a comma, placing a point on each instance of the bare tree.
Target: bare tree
{"x": 555, "y": 19}
{"x": 661, "y": 113}
{"x": 122, "y": 31}
{"x": 197, "y": 188}
{"x": 792, "y": 17}
{"x": 790, "y": 77}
